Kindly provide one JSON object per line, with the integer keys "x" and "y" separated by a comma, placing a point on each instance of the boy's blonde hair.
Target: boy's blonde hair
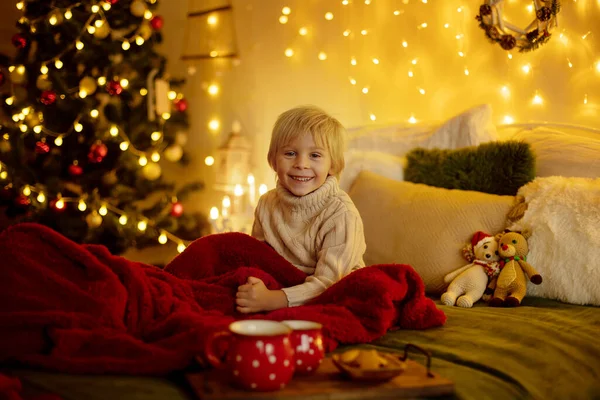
{"x": 326, "y": 131}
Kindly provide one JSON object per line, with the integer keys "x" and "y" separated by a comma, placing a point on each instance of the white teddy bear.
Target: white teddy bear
{"x": 469, "y": 282}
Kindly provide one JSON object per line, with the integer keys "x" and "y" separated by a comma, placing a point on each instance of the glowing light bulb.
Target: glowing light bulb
{"x": 148, "y": 14}
{"x": 210, "y": 160}
{"x": 91, "y": 29}
{"x": 155, "y": 136}
{"x": 322, "y": 56}
{"x": 404, "y": 43}
{"x": 446, "y": 26}
{"x": 283, "y": 19}
{"x": 364, "y": 32}
{"x": 328, "y": 16}
{"x": 44, "y": 69}
{"x": 262, "y": 189}
{"x": 101, "y": 80}
{"x": 142, "y": 225}
{"x": 162, "y": 238}
{"x": 37, "y": 129}
{"x": 214, "y": 213}
{"x": 41, "y": 197}
{"x": 286, "y": 10}
{"x": 569, "y": 63}
{"x": 466, "y": 71}
{"x": 78, "y": 127}
{"x": 82, "y": 206}
{"x": 423, "y": 25}
{"x": 53, "y": 20}
{"x": 508, "y": 119}
{"x": 180, "y": 247}
{"x": 505, "y": 91}
{"x": 526, "y": 68}
{"x": 352, "y": 81}
{"x": 410, "y": 74}
{"x": 422, "y": 91}
{"x": 114, "y": 131}
{"x": 345, "y": 2}
{"x": 414, "y": 61}
{"x": 20, "y": 5}
{"x": 143, "y": 161}
{"x": 537, "y": 99}
{"x": 58, "y": 64}
{"x": 124, "y": 146}
{"x": 21, "y": 69}
{"x": 213, "y": 53}
{"x": 95, "y": 8}
{"x": 397, "y": 12}
{"x": 106, "y": 6}
{"x": 60, "y": 204}
{"x": 123, "y": 219}
{"x": 172, "y": 95}
{"x": 83, "y": 94}
{"x": 3, "y": 175}
{"x": 510, "y": 56}
{"x": 94, "y": 113}
{"x": 103, "y": 210}
{"x": 213, "y": 89}
{"x": 461, "y": 54}
{"x": 79, "y": 45}
{"x": 214, "y": 125}
{"x": 598, "y": 66}
{"x": 58, "y": 141}
{"x": 166, "y": 116}
{"x": 124, "y": 83}
{"x": 98, "y": 23}
{"x": 365, "y": 90}
{"x": 126, "y": 45}
{"x": 303, "y": 31}
{"x": 155, "y": 157}
{"x": 372, "y": 117}
{"x": 530, "y": 8}
{"x": 412, "y": 119}
{"x": 347, "y": 32}
{"x": 353, "y": 61}
{"x": 459, "y": 9}
{"x": 375, "y": 61}
{"x": 10, "y": 100}
{"x": 143, "y": 91}
{"x": 585, "y": 99}
{"x": 139, "y": 40}
{"x": 68, "y": 14}
{"x": 26, "y": 190}
{"x": 289, "y": 52}
{"x": 238, "y": 190}
{"x": 23, "y": 128}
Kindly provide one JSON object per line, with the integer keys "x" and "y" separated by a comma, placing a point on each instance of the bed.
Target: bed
{"x": 547, "y": 348}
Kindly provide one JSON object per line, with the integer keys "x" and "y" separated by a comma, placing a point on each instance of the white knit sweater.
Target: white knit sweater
{"x": 320, "y": 233}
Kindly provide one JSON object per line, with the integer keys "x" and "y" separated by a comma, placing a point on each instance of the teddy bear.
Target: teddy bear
{"x": 511, "y": 285}
{"x": 468, "y": 283}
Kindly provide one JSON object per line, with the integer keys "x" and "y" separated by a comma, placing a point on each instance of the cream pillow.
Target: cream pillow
{"x": 470, "y": 128}
{"x": 563, "y": 216}
{"x": 423, "y": 226}
{"x": 559, "y": 153}
{"x": 379, "y": 163}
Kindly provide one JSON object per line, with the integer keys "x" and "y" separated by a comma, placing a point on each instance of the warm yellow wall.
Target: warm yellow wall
{"x": 265, "y": 82}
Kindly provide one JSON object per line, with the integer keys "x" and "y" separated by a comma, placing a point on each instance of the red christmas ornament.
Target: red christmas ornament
{"x": 177, "y": 209}
{"x": 97, "y": 152}
{"x": 75, "y": 170}
{"x": 114, "y": 88}
{"x": 112, "y": 2}
{"x": 181, "y": 105}
{"x": 22, "y": 201}
{"x": 157, "y": 22}
{"x": 42, "y": 148}
{"x": 48, "y": 97}
{"x": 60, "y": 207}
{"x": 19, "y": 41}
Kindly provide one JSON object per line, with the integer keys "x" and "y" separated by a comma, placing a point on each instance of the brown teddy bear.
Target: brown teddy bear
{"x": 511, "y": 285}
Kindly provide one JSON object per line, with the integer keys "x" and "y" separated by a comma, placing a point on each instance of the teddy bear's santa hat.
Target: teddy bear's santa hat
{"x": 480, "y": 238}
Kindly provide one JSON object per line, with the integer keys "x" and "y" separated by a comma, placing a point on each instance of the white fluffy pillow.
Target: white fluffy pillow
{"x": 563, "y": 215}
{"x": 382, "y": 150}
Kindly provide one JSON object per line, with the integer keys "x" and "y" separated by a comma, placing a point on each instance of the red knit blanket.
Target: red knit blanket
{"x": 79, "y": 309}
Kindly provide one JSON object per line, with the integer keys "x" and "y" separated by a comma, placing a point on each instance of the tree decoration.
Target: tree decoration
{"x": 509, "y": 36}
{"x": 97, "y": 152}
{"x": 75, "y": 170}
{"x": 88, "y": 85}
{"x": 19, "y": 41}
{"x": 93, "y": 219}
{"x": 157, "y": 22}
{"x": 180, "y": 105}
{"x": 114, "y": 88}
{"x": 176, "y": 209}
{"x": 137, "y": 8}
{"x": 42, "y": 147}
{"x": 58, "y": 205}
{"x": 48, "y": 97}
{"x": 22, "y": 201}
{"x": 2, "y": 78}
{"x": 151, "y": 171}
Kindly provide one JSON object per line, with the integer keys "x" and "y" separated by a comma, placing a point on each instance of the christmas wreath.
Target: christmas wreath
{"x": 509, "y": 36}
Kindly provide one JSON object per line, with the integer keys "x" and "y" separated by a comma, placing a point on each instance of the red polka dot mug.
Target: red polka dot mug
{"x": 259, "y": 357}
{"x": 307, "y": 342}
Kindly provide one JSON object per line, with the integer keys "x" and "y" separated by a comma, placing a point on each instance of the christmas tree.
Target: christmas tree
{"x": 88, "y": 111}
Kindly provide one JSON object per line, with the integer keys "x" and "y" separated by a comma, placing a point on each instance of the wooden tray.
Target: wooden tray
{"x": 329, "y": 383}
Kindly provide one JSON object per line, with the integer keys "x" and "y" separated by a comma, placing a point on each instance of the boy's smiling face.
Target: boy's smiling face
{"x": 302, "y": 166}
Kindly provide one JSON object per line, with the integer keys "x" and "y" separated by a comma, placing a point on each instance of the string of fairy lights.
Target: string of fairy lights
{"x": 458, "y": 22}
{"x": 30, "y": 121}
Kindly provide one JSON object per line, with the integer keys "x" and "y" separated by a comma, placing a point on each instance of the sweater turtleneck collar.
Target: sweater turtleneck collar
{"x": 309, "y": 205}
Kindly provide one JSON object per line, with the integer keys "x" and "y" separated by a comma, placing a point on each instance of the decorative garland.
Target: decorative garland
{"x": 509, "y": 36}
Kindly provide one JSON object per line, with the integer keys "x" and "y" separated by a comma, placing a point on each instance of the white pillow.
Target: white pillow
{"x": 470, "y": 128}
{"x": 383, "y": 164}
{"x": 559, "y": 153}
{"x": 563, "y": 216}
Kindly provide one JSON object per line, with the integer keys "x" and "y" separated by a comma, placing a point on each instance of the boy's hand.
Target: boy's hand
{"x": 254, "y": 296}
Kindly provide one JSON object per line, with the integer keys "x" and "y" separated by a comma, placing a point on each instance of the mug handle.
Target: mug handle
{"x": 209, "y": 348}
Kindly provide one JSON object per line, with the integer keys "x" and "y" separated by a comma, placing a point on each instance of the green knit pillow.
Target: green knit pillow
{"x": 495, "y": 167}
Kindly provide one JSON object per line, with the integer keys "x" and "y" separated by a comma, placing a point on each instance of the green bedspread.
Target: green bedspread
{"x": 542, "y": 350}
